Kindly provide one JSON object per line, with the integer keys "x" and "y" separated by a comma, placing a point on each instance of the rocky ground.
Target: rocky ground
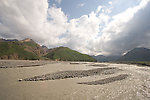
{"x": 107, "y": 80}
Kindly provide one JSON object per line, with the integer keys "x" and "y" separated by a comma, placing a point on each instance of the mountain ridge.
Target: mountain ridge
{"x": 102, "y": 58}
{"x": 136, "y": 54}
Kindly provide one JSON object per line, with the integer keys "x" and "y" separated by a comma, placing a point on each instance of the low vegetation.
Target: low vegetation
{"x": 66, "y": 54}
{"x": 13, "y": 50}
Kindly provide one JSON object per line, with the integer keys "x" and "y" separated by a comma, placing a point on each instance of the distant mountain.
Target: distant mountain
{"x": 25, "y": 49}
{"x": 102, "y": 58}
{"x": 8, "y": 40}
{"x": 66, "y": 54}
{"x": 137, "y": 54}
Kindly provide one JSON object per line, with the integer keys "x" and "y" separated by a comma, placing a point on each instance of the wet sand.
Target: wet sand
{"x": 74, "y": 81}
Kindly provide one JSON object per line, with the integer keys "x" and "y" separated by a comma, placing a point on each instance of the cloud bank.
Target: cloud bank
{"x": 95, "y": 33}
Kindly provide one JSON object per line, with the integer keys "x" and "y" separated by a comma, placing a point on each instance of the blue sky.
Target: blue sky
{"x": 73, "y": 9}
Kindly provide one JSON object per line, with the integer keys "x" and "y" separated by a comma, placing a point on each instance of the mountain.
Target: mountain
{"x": 137, "y": 54}
{"x": 14, "y": 50}
{"x": 27, "y": 49}
{"x": 106, "y": 58}
{"x": 5, "y": 40}
{"x": 66, "y": 54}
{"x": 33, "y": 47}
{"x": 24, "y": 49}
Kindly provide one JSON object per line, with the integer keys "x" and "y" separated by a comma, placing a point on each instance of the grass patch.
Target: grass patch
{"x": 30, "y": 44}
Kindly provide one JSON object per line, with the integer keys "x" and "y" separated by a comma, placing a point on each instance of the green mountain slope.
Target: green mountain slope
{"x": 15, "y": 50}
{"x": 66, "y": 54}
{"x": 27, "y": 49}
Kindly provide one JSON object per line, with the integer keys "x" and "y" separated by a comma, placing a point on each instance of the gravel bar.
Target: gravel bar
{"x": 107, "y": 80}
{"x": 72, "y": 74}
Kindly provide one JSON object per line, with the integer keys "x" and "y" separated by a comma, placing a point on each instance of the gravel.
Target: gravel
{"x": 107, "y": 80}
{"x": 72, "y": 74}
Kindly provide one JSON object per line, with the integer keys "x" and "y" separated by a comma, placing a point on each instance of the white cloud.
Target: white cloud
{"x": 99, "y": 8}
{"x": 82, "y": 32}
{"x": 110, "y": 2}
{"x": 104, "y": 9}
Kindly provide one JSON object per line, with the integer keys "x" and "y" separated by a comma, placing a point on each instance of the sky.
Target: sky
{"x": 107, "y": 27}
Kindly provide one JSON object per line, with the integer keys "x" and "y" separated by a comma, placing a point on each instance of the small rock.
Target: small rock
{"x": 20, "y": 80}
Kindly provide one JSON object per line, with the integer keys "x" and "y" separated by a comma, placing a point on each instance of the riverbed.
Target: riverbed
{"x": 73, "y": 81}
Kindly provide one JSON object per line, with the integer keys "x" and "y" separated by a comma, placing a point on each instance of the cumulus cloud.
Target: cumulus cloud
{"x": 94, "y": 33}
{"x": 82, "y": 32}
{"x": 99, "y": 8}
{"x": 110, "y": 2}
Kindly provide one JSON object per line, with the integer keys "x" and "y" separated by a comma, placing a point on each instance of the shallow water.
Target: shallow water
{"x": 67, "y": 89}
